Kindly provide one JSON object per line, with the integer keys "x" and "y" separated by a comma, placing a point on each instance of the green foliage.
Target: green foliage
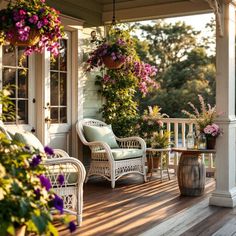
{"x": 8, "y": 108}
{"x": 26, "y": 196}
{"x": 119, "y": 86}
{"x": 161, "y": 140}
{"x": 150, "y": 124}
{"x": 184, "y": 68}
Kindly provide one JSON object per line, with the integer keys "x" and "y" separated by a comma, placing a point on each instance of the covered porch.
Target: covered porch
{"x": 134, "y": 207}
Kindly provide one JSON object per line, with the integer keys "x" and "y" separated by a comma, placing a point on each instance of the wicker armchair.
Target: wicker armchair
{"x": 74, "y": 174}
{"x": 103, "y": 161}
{"x": 72, "y": 189}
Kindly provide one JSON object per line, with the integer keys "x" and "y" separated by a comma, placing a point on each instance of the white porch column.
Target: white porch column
{"x": 225, "y": 192}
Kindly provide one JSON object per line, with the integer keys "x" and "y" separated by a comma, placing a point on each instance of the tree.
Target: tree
{"x": 184, "y": 67}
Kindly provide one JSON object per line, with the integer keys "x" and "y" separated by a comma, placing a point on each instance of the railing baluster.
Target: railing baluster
{"x": 183, "y": 133}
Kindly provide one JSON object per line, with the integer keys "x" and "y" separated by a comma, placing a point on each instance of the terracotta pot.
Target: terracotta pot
{"x": 34, "y": 38}
{"x": 211, "y": 142}
{"x": 111, "y": 64}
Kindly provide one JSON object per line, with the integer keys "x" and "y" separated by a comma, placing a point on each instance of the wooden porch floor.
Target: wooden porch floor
{"x": 152, "y": 208}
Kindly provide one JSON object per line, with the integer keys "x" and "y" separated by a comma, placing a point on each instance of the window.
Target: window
{"x": 17, "y": 77}
{"x": 58, "y": 85}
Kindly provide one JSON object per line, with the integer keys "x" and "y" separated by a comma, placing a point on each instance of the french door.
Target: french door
{"x": 57, "y": 102}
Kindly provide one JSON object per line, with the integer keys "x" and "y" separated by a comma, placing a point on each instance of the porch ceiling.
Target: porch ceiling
{"x": 99, "y": 12}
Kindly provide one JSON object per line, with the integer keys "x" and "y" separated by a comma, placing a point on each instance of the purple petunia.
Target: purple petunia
{"x": 48, "y": 150}
{"x": 72, "y": 226}
{"x": 60, "y": 179}
{"x": 45, "y": 182}
{"x": 58, "y": 203}
{"x": 35, "y": 161}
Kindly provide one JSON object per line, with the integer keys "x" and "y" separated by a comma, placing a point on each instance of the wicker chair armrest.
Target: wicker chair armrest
{"x": 78, "y": 167}
{"x": 132, "y": 142}
{"x": 59, "y": 153}
{"x": 97, "y": 146}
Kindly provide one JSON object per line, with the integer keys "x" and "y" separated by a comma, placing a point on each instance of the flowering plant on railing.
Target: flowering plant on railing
{"x": 33, "y": 24}
{"x": 26, "y": 194}
{"x": 203, "y": 117}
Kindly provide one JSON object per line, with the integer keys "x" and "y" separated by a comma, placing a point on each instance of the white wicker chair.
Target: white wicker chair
{"x": 72, "y": 189}
{"x": 102, "y": 160}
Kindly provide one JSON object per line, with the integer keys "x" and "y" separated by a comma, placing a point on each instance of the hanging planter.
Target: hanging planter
{"x": 32, "y": 24}
{"x": 112, "y": 64}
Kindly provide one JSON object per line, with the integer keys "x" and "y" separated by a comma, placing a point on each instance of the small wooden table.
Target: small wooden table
{"x": 191, "y": 171}
{"x": 152, "y": 153}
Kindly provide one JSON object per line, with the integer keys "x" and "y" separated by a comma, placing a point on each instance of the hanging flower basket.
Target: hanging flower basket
{"x": 32, "y": 24}
{"x": 111, "y": 64}
{"x": 32, "y": 40}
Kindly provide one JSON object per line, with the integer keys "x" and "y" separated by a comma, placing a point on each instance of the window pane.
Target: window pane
{"x": 9, "y": 56}
{"x": 54, "y": 89}
{"x": 63, "y": 55}
{"x": 11, "y": 117}
{"x": 20, "y": 53}
{"x": 63, "y": 118}
{"x": 23, "y": 111}
{"x": 54, "y": 115}
{"x": 22, "y": 84}
{"x": 54, "y": 64}
{"x": 9, "y": 77}
{"x": 63, "y": 89}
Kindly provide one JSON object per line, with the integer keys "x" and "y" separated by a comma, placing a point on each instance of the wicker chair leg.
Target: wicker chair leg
{"x": 86, "y": 179}
{"x": 79, "y": 220}
{"x": 145, "y": 178}
{"x": 113, "y": 183}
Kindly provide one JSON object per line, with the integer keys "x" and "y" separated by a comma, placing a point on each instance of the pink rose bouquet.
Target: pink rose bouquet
{"x": 212, "y": 130}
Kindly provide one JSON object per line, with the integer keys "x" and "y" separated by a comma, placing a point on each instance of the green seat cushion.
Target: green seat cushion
{"x": 125, "y": 153}
{"x": 100, "y": 133}
{"x": 29, "y": 139}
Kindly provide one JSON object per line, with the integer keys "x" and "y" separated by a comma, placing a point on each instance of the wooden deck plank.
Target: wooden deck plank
{"x": 133, "y": 207}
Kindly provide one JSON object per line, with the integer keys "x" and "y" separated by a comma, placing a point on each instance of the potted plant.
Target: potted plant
{"x": 26, "y": 196}
{"x": 151, "y": 123}
{"x": 33, "y": 24}
{"x": 204, "y": 118}
{"x": 212, "y": 132}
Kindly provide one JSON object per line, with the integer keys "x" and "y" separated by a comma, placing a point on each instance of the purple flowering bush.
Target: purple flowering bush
{"x": 23, "y": 18}
{"x": 121, "y": 86}
{"x": 26, "y": 194}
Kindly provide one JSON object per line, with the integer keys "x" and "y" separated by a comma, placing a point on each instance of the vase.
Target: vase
{"x": 211, "y": 142}
{"x": 111, "y": 64}
{"x": 33, "y": 39}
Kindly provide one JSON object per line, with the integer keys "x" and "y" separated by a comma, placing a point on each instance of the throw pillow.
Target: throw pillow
{"x": 29, "y": 139}
{"x": 100, "y": 133}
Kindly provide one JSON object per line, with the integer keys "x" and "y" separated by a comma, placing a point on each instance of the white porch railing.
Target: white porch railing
{"x": 179, "y": 127}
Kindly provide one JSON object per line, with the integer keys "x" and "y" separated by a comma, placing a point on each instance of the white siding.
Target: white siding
{"x": 92, "y": 100}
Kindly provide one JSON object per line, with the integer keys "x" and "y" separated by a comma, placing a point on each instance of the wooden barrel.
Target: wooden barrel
{"x": 191, "y": 174}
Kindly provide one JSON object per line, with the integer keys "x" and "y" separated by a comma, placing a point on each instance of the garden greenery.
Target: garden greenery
{"x": 119, "y": 86}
